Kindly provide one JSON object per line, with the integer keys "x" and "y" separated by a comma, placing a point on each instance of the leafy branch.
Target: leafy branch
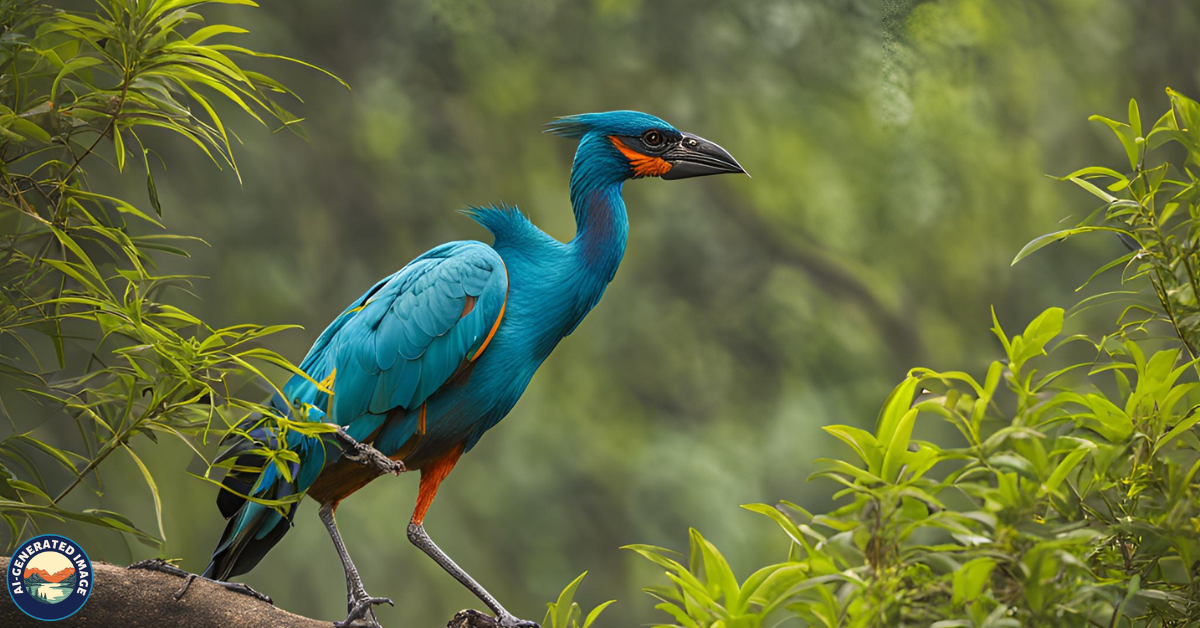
{"x": 1064, "y": 493}
{"x": 79, "y": 266}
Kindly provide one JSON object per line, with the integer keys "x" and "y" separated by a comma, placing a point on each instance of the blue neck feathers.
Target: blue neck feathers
{"x": 591, "y": 258}
{"x": 601, "y": 223}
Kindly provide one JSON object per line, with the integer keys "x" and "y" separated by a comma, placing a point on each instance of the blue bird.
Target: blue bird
{"x": 418, "y": 368}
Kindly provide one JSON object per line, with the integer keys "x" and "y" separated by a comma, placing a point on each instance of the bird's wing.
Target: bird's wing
{"x": 407, "y": 336}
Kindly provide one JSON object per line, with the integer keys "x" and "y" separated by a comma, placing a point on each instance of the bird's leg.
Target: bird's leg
{"x": 505, "y": 619}
{"x": 431, "y": 477}
{"x": 160, "y": 565}
{"x": 358, "y": 601}
{"x": 365, "y": 454}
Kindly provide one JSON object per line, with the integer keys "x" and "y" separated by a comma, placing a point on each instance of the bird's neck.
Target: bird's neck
{"x": 601, "y": 227}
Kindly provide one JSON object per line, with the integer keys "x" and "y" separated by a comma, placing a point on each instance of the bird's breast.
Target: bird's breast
{"x": 547, "y": 297}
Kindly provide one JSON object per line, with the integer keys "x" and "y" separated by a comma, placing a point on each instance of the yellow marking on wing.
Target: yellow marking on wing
{"x": 326, "y": 385}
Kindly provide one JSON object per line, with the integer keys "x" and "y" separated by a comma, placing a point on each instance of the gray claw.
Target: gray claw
{"x": 367, "y": 455}
{"x": 361, "y": 615}
{"x": 509, "y": 621}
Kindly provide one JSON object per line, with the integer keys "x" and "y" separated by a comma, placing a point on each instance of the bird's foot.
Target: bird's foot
{"x": 362, "y": 614}
{"x": 367, "y": 455}
{"x": 509, "y": 621}
{"x": 471, "y": 618}
{"x": 162, "y": 566}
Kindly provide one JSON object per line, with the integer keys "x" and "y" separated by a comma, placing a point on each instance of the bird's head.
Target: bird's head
{"x": 631, "y": 145}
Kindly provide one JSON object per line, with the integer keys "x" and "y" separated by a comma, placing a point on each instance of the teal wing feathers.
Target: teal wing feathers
{"x": 400, "y": 342}
{"x": 392, "y": 348}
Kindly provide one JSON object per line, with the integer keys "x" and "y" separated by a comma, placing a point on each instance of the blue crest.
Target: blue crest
{"x": 607, "y": 123}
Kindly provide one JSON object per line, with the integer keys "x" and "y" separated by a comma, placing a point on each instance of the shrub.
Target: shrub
{"x": 83, "y": 326}
{"x": 1067, "y": 494}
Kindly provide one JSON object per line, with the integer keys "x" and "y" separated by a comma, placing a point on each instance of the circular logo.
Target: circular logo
{"x": 49, "y": 577}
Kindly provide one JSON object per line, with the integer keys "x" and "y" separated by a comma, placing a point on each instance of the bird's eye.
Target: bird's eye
{"x": 652, "y": 138}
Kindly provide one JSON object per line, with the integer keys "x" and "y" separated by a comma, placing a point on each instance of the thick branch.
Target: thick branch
{"x": 139, "y": 598}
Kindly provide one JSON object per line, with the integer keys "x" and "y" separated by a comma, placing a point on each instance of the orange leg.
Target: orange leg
{"x": 431, "y": 478}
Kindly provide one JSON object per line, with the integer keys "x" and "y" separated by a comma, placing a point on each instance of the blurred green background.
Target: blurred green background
{"x": 898, "y": 155}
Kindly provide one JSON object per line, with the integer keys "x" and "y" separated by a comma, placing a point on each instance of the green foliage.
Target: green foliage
{"x": 566, "y": 612}
{"x": 706, "y": 593}
{"x": 83, "y": 323}
{"x": 1066, "y": 492}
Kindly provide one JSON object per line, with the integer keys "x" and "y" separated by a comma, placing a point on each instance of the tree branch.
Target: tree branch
{"x": 140, "y": 598}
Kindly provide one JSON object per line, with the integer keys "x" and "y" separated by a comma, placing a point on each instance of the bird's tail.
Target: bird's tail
{"x": 255, "y": 526}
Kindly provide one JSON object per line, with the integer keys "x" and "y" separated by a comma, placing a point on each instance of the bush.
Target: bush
{"x": 1068, "y": 493}
{"x": 84, "y": 330}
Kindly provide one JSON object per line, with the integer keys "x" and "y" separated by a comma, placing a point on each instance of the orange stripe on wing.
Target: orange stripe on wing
{"x": 643, "y": 165}
{"x": 496, "y": 325}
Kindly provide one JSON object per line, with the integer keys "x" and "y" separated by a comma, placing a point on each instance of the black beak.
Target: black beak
{"x": 698, "y": 157}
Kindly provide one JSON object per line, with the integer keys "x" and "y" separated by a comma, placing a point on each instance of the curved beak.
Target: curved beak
{"x": 698, "y": 157}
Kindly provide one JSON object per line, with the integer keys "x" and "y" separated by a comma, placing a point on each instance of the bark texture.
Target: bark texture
{"x": 139, "y": 598}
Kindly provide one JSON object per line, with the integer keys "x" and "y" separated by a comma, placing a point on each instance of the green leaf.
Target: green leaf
{"x": 119, "y": 147}
{"x": 595, "y": 614}
{"x": 1037, "y": 335}
{"x": 55, "y": 453}
{"x": 1135, "y": 118}
{"x": 657, "y": 555}
{"x": 562, "y": 608}
{"x": 1126, "y": 136}
{"x": 1041, "y": 241}
{"x": 830, "y": 465}
{"x": 1094, "y": 171}
{"x": 1181, "y": 427}
{"x": 999, "y": 332}
{"x": 1109, "y": 420}
{"x": 789, "y": 526}
{"x": 72, "y": 66}
{"x": 153, "y": 489}
{"x": 894, "y": 409}
{"x": 971, "y": 579}
{"x": 862, "y": 441}
{"x": 1090, "y": 187}
{"x": 1064, "y": 467}
{"x": 897, "y": 447}
{"x": 1045, "y": 327}
{"x": 716, "y": 568}
{"x": 29, "y": 129}
{"x": 152, "y": 190}
{"x": 208, "y": 32}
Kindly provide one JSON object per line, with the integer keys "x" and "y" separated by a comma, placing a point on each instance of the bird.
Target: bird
{"x": 418, "y": 368}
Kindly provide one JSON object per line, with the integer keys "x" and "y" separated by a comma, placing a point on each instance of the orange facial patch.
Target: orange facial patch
{"x": 643, "y": 165}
